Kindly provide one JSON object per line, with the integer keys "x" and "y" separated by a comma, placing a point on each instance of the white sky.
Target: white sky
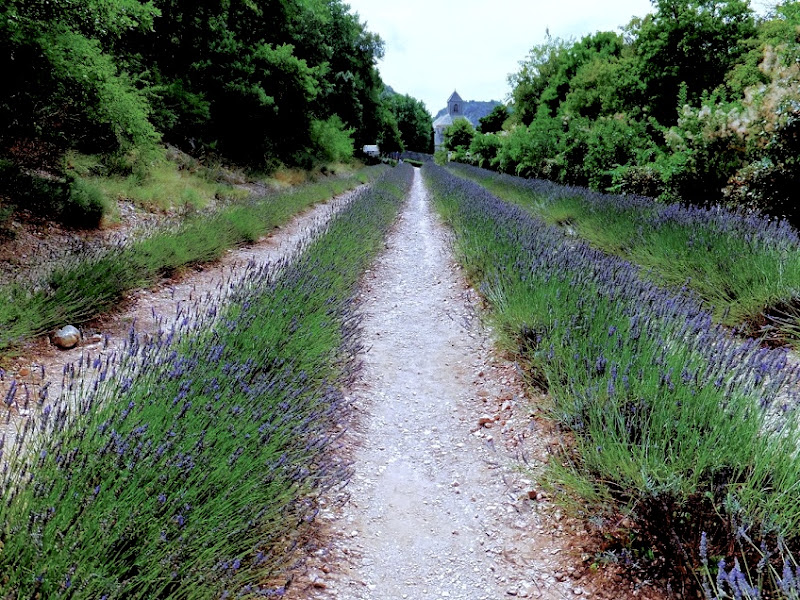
{"x": 436, "y": 46}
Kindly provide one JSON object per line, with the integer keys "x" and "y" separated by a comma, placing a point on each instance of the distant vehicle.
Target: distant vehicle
{"x": 372, "y": 150}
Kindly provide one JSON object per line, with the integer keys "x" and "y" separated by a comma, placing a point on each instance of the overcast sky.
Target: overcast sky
{"x": 436, "y": 46}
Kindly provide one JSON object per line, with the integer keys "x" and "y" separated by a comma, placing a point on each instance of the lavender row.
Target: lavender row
{"x": 750, "y": 225}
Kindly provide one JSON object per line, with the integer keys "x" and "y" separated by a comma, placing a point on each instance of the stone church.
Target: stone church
{"x": 455, "y": 110}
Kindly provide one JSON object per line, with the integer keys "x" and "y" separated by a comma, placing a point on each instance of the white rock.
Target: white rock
{"x": 67, "y": 337}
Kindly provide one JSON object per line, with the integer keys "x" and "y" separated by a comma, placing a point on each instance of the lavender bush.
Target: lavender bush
{"x": 189, "y": 466}
{"x": 674, "y": 419}
{"x": 745, "y": 266}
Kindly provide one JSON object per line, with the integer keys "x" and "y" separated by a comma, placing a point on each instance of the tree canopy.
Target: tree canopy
{"x": 697, "y": 102}
{"x": 260, "y": 83}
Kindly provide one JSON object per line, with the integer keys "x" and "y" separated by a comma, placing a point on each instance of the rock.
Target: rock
{"x": 67, "y": 337}
{"x": 485, "y": 421}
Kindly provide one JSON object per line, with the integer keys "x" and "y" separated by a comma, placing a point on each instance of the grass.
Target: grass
{"x": 745, "y": 267}
{"x": 86, "y": 286}
{"x": 177, "y": 185}
{"x": 691, "y": 432}
{"x": 190, "y": 467}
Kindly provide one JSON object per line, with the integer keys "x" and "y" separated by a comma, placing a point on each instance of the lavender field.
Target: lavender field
{"x": 680, "y": 425}
{"x": 744, "y": 266}
{"x": 188, "y": 465}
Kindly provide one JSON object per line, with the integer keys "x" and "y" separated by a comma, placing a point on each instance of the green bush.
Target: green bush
{"x": 531, "y": 151}
{"x": 484, "y": 148}
{"x": 86, "y": 205}
{"x": 458, "y": 135}
{"x": 333, "y": 142}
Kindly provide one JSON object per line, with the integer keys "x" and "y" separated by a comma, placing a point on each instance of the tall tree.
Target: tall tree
{"x": 691, "y": 42}
{"x": 62, "y": 82}
{"x": 493, "y": 122}
{"x": 413, "y": 120}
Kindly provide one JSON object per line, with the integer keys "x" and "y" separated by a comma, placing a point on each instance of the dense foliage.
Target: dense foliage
{"x": 413, "y": 121}
{"x": 187, "y": 465}
{"x": 696, "y": 102}
{"x": 688, "y": 431}
{"x": 258, "y": 83}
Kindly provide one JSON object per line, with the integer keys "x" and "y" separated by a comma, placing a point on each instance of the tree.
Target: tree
{"x": 537, "y": 73}
{"x": 458, "y": 135}
{"x": 63, "y": 85}
{"x": 413, "y": 121}
{"x": 695, "y": 42}
{"x": 493, "y": 122}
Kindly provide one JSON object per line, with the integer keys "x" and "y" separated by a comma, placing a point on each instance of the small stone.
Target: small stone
{"x": 485, "y": 421}
{"x": 67, "y": 337}
{"x": 24, "y": 371}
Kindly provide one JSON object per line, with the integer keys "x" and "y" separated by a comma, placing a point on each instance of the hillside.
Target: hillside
{"x": 473, "y": 110}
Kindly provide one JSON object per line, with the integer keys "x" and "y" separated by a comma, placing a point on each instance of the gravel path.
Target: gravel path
{"x": 437, "y": 507}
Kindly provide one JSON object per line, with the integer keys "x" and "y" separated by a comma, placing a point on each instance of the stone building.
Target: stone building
{"x": 455, "y": 110}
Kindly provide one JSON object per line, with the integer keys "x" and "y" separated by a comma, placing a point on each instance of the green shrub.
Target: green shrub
{"x": 458, "y": 135}
{"x": 86, "y": 206}
{"x": 333, "y": 142}
{"x": 531, "y": 151}
{"x": 484, "y": 148}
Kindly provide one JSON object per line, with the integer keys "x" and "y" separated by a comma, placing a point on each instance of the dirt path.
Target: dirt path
{"x": 437, "y": 507}
{"x": 167, "y": 304}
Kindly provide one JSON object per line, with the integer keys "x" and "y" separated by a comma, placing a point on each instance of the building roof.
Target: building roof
{"x": 443, "y": 121}
{"x": 454, "y": 97}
